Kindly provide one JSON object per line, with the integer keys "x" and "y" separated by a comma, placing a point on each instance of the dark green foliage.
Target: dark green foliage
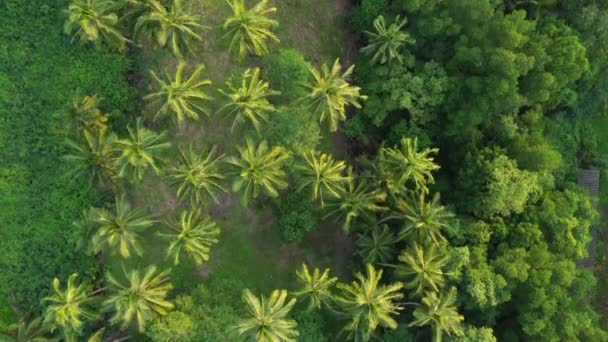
{"x": 401, "y": 334}
{"x": 286, "y": 70}
{"x": 295, "y": 128}
{"x": 311, "y": 325}
{"x": 295, "y": 216}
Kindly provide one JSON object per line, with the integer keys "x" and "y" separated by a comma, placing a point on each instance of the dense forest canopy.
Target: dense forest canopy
{"x": 265, "y": 170}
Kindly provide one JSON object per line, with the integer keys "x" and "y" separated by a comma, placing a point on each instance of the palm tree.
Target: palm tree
{"x": 322, "y": 174}
{"x": 197, "y": 174}
{"x": 422, "y": 268}
{"x": 86, "y": 229}
{"x": 359, "y": 199}
{"x": 249, "y": 101}
{"x": 119, "y": 229}
{"x": 140, "y": 298}
{"x": 316, "y": 287}
{"x": 406, "y": 163}
{"x": 369, "y": 304}
{"x": 258, "y": 169}
{"x": 69, "y": 308}
{"x": 93, "y": 159}
{"x": 440, "y": 312}
{"x": 84, "y": 117}
{"x": 193, "y": 235}
{"x": 267, "y": 319}
{"x": 139, "y": 151}
{"x": 424, "y": 220}
{"x": 378, "y": 247}
{"x": 95, "y": 21}
{"x": 175, "y": 25}
{"x": 330, "y": 93}
{"x": 181, "y": 97}
{"x": 27, "y": 330}
{"x": 384, "y": 44}
{"x": 249, "y": 29}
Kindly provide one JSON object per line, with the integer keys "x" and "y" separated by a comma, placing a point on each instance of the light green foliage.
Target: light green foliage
{"x": 84, "y": 117}
{"x": 286, "y": 70}
{"x": 248, "y": 102}
{"x": 369, "y": 304}
{"x": 422, "y": 268}
{"x": 143, "y": 295}
{"x": 385, "y": 43}
{"x": 424, "y": 220}
{"x": 474, "y": 334}
{"x": 295, "y": 216}
{"x": 175, "y": 25}
{"x": 181, "y": 96}
{"x": 250, "y": 29}
{"x": 315, "y": 287}
{"x": 294, "y": 128}
{"x": 377, "y": 245}
{"x": 258, "y": 169}
{"x": 268, "y": 318}
{"x": 93, "y": 159}
{"x": 176, "y": 326}
{"x": 330, "y": 93}
{"x": 322, "y": 175}
{"x": 141, "y": 150}
{"x": 95, "y": 21}
{"x": 439, "y": 311}
{"x": 197, "y": 175}
{"x": 193, "y": 235}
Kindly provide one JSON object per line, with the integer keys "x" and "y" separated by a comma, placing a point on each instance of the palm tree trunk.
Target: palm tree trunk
{"x": 437, "y": 333}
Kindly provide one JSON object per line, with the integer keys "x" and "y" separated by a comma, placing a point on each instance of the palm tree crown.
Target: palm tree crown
{"x": 440, "y": 312}
{"x": 250, "y": 28}
{"x": 179, "y": 96}
{"x": 422, "y": 268}
{"x": 143, "y": 296}
{"x": 93, "y": 159}
{"x": 369, "y": 304}
{"x": 385, "y": 43}
{"x": 27, "y": 330}
{"x": 193, "y": 234}
{"x": 175, "y": 25}
{"x": 84, "y": 117}
{"x": 377, "y": 247}
{"x": 267, "y": 319}
{"x": 258, "y": 169}
{"x": 197, "y": 174}
{"x": 94, "y": 21}
{"x": 330, "y": 93}
{"x": 316, "y": 287}
{"x": 249, "y": 101}
{"x": 424, "y": 220}
{"x": 322, "y": 174}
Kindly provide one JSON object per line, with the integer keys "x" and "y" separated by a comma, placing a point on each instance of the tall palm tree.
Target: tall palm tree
{"x": 369, "y": 304}
{"x": 84, "y": 117}
{"x": 193, "y": 234}
{"x": 69, "y": 308}
{"x": 359, "y": 199}
{"x": 316, "y": 287}
{"x": 95, "y": 21}
{"x": 144, "y": 295}
{"x": 175, "y": 25}
{"x": 330, "y": 93}
{"x": 406, "y": 163}
{"x": 377, "y": 247}
{"x": 385, "y": 43}
{"x": 267, "y": 319}
{"x": 322, "y": 174}
{"x": 86, "y": 228}
{"x": 423, "y": 220}
{"x": 421, "y": 267}
{"x": 181, "y": 96}
{"x": 250, "y": 29}
{"x": 249, "y": 101}
{"x": 140, "y": 150}
{"x": 93, "y": 159}
{"x": 27, "y": 330}
{"x": 120, "y": 228}
{"x": 440, "y": 312}
{"x": 259, "y": 169}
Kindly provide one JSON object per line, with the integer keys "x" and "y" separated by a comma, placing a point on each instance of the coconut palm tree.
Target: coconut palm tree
{"x": 330, "y": 93}
{"x": 141, "y": 150}
{"x": 315, "y": 287}
{"x": 93, "y": 159}
{"x": 84, "y": 117}
{"x": 440, "y": 312}
{"x": 267, "y": 319}
{"x": 368, "y": 304}
{"x": 423, "y": 220}
{"x": 385, "y": 43}
{"x": 358, "y": 199}
{"x": 378, "y": 246}
{"x": 193, "y": 235}
{"x": 322, "y": 174}
{"x": 69, "y": 308}
{"x": 197, "y": 174}
{"x": 421, "y": 268}
{"x": 140, "y": 298}
{"x": 259, "y": 169}
{"x": 249, "y": 101}
{"x": 406, "y": 163}
{"x": 250, "y": 29}
{"x": 181, "y": 96}
{"x": 175, "y": 25}
{"x": 27, "y": 329}
{"x": 120, "y": 228}
{"x": 86, "y": 229}
{"x": 95, "y": 21}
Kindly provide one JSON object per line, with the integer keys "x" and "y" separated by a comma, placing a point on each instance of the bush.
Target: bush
{"x": 286, "y": 71}
{"x": 295, "y": 216}
{"x": 294, "y": 128}
{"x": 311, "y": 325}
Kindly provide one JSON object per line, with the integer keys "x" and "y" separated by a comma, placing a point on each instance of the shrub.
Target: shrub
{"x": 286, "y": 71}
{"x": 294, "y": 128}
{"x": 295, "y": 216}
